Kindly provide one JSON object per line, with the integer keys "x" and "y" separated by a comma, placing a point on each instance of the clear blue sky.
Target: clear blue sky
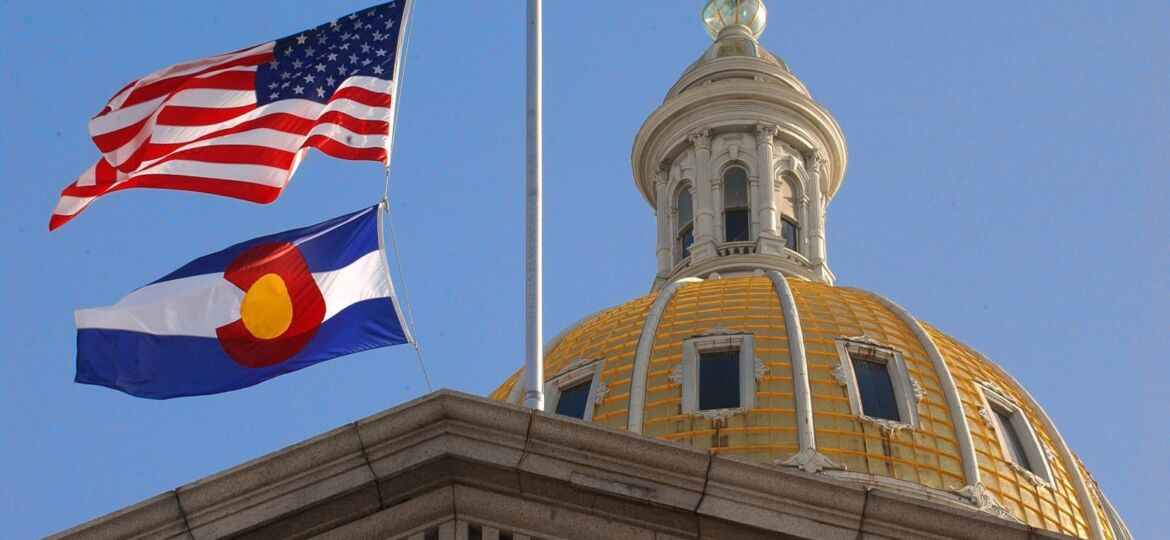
{"x": 1007, "y": 183}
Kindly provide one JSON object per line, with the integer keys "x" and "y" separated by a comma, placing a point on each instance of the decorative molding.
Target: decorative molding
{"x": 676, "y": 376}
{"x": 575, "y": 364}
{"x": 985, "y": 502}
{"x": 985, "y": 414}
{"x": 814, "y": 162}
{"x": 733, "y": 151}
{"x": 766, "y": 132}
{"x": 662, "y": 174}
{"x": 866, "y": 340}
{"x": 736, "y": 248}
{"x": 995, "y": 387}
{"x": 919, "y": 390}
{"x": 811, "y": 461}
{"x": 1030, "y": 476}
{"x": 760, "y": 369}
{"x": 717, "y": 331}
{"x": 701, "y": 139}
{"x": 719, "y": 415}
{"x": 887, "y": 426}
{"x": 838, "y": 374}
{"x": 600, "y": 393}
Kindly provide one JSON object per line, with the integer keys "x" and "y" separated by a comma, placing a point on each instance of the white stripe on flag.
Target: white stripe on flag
{"x": 187, "y": 68}
{"x": 197, "y": 305}
{"x": 239, "y": 172}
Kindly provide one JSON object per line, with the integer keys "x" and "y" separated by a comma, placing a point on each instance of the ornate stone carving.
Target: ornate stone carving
{"x": 599, "y": 395}
{"x": 701, "y": 139}
{"x": 813, "y": 162}
{"x": 676, "y": 376}
{"x": 886, "y": 425}
{"x": 985, "y": 414}
{"x": 919, "y": 390}
{"x": 719, "y": 415}
{"x": 760, "y": 369}
{"x": 1030, "y": 476}
{"x": 995, "y": 387}
{"x": 733, "y": 151}
{"x": 985, "y": 502}
{"x": 866, "y": 340}
{"x": 811, "y": 461}
{"x": 838, "y": 374}
{"x": 662, "y": 174}
{"x": 766, "y": 132}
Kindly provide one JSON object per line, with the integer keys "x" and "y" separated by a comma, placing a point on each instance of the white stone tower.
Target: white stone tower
{"x": 739, "y": 162}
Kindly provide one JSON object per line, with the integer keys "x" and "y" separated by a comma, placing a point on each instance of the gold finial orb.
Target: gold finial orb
{"x": 719, "y": 14}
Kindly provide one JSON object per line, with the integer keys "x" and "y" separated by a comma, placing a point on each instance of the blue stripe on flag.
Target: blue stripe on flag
{"x": 162, "y": 367}
{"x": 356, "y": 231}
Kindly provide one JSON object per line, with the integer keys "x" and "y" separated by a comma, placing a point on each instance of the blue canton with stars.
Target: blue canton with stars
{"x": 312, "y": 64}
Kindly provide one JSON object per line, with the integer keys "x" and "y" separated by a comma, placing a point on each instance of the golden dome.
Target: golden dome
{"x": 950, "y": 454}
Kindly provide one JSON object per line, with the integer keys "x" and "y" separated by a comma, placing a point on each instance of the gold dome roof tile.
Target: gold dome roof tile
{"x": 926, "y": 460}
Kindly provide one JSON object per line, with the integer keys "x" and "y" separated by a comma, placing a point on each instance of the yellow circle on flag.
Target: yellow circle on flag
{"x": 267, "y": 309}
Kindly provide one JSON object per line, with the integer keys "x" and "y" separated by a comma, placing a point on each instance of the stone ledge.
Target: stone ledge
{"x": 450, "y": 454}
{"x": 156, "y": 517}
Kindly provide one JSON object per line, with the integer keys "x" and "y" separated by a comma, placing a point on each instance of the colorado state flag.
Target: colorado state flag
{"x": 243, "y": 315}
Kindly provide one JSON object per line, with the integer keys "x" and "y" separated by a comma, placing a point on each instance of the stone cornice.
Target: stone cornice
{"x": 451, "y": 454}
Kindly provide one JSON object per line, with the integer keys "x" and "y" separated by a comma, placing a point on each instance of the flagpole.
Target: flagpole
{"x": 533, "y": 310}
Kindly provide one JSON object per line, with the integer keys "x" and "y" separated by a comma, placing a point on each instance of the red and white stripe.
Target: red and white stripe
{"x": 196, "y": 126}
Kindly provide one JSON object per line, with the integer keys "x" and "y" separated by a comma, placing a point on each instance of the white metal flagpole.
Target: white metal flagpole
{"x": 534, "y": 352}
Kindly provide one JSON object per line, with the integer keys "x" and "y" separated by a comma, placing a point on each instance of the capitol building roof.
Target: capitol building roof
{"x": 745, "y": 347}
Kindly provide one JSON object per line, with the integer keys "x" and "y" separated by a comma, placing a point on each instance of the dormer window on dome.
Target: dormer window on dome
{"x": 1018, "y": 443}
{"x": 576, "y": 389}
{"x": 876, "y": 381}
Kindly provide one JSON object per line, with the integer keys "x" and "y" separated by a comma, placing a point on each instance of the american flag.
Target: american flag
{"x": 237, "y": 124}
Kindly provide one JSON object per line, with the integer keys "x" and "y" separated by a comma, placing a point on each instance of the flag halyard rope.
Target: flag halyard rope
{"x": 405, "y": 292}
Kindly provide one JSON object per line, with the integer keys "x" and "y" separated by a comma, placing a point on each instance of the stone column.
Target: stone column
{"x": 704, "y": 246}
{"x": 754, "y": 190}
{"x": 770, "y": 241}
{"x": 663, "y": 212}
{"x": 717, "y": 207}
{"x": 814, "y": 165}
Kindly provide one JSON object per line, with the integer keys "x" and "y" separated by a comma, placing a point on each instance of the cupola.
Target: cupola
{"x": 739, "y": 162}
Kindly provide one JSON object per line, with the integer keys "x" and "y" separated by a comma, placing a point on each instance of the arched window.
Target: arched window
{"x": 685, "y": 234}
{"x": 737, "y": 213}
{"x": 786, "y": 204}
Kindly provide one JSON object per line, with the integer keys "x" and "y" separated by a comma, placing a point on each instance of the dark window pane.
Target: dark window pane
{"x": 735, "y": 192}
{"x": 736, "y": 225}
{"x": 1015, "y": 445}
{"x": 573, "y": 399}
{"x": 685, "y": 206}
{"x": 719, "y": 380}
{"x": 876, "y": 389}
{"x": 685, "y": 239}
{"x": 789, "y": 231}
